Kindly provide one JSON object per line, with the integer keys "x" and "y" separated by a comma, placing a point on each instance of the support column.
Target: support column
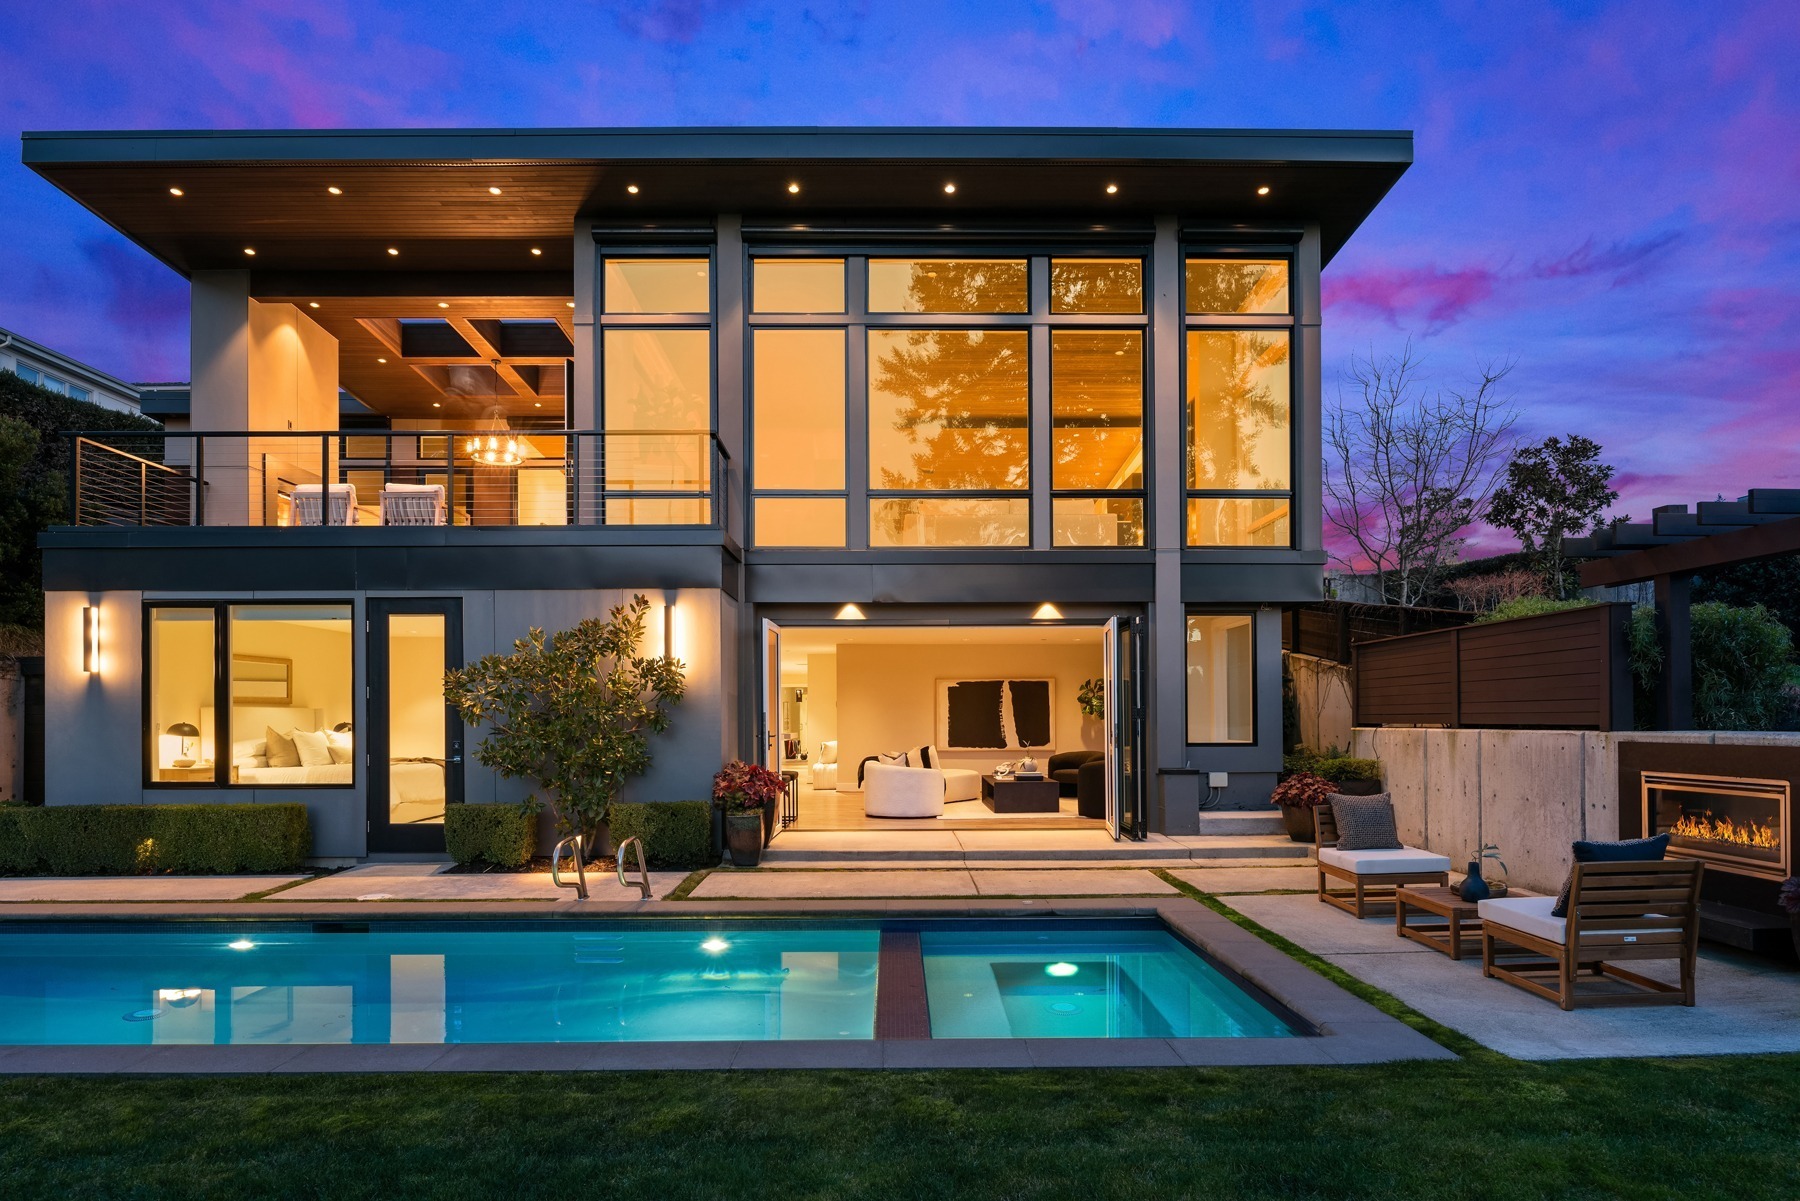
{"x": 1173, "y": 799}
{"x": 1675, "y": 686}
{"x": 729, "y": 335}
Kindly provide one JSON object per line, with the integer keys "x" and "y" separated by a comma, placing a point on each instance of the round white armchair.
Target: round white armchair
{"x": 890, "y": 791}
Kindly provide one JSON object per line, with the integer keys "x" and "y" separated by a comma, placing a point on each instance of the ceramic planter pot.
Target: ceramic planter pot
{"x": 1299, "y": 821}
{"x": 771, "y": 813}
{"x": 744, "y": 838}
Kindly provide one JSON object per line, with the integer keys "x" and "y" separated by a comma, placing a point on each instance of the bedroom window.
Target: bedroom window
{"x": 1221, "y": 678}
{"x": 252, "y": 695}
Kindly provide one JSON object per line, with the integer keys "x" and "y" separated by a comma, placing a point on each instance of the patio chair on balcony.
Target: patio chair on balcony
{"x": 1618, "y": 910}
{"x": 412, "y": 504}
{"x": 342, "y": 508}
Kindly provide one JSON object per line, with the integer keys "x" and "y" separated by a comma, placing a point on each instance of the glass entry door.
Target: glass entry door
{"x": 1124, "y": 728}
{"x": 415, "y": 739}
{"x": 771, "y": 696}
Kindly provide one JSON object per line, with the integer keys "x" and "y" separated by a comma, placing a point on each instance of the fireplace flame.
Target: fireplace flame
{"x": 1723, "y": 829}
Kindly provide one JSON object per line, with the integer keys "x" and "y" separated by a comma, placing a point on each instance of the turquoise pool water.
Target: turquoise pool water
{"x": 1131, "y": 983}
{"x": 641, "y": 981}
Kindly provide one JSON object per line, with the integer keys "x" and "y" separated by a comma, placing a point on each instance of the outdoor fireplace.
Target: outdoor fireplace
{"x": 1737, "y": 824}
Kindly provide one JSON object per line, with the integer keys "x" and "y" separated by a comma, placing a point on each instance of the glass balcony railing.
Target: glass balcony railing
{"x": 399, "y": 478}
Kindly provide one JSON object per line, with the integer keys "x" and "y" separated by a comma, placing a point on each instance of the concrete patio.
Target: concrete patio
{"x": 431, "y": 882}
{"x": 30, "y": 889}
{"x": 1745, "y": 1005}
{"x": 1057, "y": 882}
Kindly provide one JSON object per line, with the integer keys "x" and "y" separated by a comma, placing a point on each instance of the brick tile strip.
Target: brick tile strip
{"x": 900, "y": 1010}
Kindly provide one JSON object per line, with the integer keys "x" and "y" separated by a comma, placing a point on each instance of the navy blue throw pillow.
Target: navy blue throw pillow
{"x": 1608, "y": 852}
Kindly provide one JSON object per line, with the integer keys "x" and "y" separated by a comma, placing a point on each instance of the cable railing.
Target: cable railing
{"x": 487, "y": 477}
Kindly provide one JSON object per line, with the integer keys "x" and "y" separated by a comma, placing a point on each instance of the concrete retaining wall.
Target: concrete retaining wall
{"x": 1531, "y": 792}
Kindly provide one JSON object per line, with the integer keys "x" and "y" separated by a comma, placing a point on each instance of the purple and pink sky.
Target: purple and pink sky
{"x": 1606, "y": 194}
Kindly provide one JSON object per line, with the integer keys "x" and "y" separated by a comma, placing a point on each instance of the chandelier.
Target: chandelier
{"x": 498, "y": 446}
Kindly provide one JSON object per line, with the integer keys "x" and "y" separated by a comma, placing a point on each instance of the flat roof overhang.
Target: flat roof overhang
{"x": 426, "y": 192}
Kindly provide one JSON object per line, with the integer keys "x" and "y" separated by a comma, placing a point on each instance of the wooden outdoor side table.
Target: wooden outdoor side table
{"x": 1461, "y": 920}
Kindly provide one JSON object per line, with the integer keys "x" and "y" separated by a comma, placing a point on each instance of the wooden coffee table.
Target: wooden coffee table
{"x": 1021, "y": 796}
{"x": 1460, "y": 918}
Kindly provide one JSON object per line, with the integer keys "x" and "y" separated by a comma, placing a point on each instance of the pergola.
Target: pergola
{"x": 1670, "y": 549}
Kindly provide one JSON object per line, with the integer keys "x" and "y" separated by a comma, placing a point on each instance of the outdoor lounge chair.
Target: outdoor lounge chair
{"x": 343, "y": 510}
{"x": 1374, "y": 876}
{"x": 412, "y": 504}
{"x": 1630, "y": 909}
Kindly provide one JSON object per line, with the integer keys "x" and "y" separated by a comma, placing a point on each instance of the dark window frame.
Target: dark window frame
{"x": 1255, "y": 738}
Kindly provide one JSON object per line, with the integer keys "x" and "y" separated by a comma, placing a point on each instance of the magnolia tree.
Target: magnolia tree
{"x": 573, "y": 711}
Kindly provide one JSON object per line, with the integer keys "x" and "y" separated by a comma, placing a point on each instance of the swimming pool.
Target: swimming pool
{"x": 584, "y": 981}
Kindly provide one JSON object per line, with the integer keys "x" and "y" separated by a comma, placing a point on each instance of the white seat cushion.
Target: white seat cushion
{"x": 961, "y": 784}
{"x": 1531, "y": 915}
{"x": 1381, "y": 863}
{"x": 824, "y": 776}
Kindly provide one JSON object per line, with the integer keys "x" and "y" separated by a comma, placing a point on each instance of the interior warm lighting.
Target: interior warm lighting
{"x": 569, "y": 303}
{"x": 535, "y": 250}
{"x": 850, "y": 613}
{"x": 443, "y": 304}
{"x": 335, "y": 190}
{"x": 1060, "y": 970}
{"x": 714, "y": 945}
{"x": 537, "y": 404}
{"x": 312, "y": 304}
{"x": 794, "y": 189}
{"x": 949, "y": 189}
{"x": 250, "y": 250}
{"x": 393, "y": 250}
{"x": 436, "y": 405}
{"x": 1263, "y": 191}
{"x": 381, "y": 360}
{"x": 494, "y": 450}
{"x": 632, "y": 188}
{"x": 1047, "y": 612}
{"x": 493, "y": 191}
{"x": 1112, "y": 189}
{"x": 176, "y": 192}
{"x": 90, "y": 639}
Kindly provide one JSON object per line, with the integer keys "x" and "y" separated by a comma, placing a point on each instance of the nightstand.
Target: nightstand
{"x": 200, "y": 773}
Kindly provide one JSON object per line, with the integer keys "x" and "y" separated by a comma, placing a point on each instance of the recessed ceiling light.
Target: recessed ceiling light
{"x": 493, "y": 191}
{"x": 334, "y": 190}
{"x": 176, "y": 192}
{"x": 393, "y": 250}
{"x": 535, "y": 250}
{"x": 1263, "y": 191}
{"x": 949, "y": 188}
{"x": 1112, "y": 189}
{"x": 632, "y": 188}
{"x": 312, "y": 304}
{"x": 538, "y": 405}
{"x": 443, "y": 304}
{"x": 250, "y": 250}
{"x": 569, "y": 303}
{"x": 794, "y": 188}
{"x": 436, "y": 405}
{"x": 381, "y": 360}
{"x": 851, "y": 612}
{"x": 1047, "y": 612}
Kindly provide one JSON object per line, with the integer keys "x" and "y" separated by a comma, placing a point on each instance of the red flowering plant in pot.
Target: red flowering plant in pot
{"x": 1298, "y": 796}
{"x": 744, "y": 791}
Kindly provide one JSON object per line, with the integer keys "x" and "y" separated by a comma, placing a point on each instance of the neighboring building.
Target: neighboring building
{"x": 38, "y": 364}
{"x": 909, "y": 435}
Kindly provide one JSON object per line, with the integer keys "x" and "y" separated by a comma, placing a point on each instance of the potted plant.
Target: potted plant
{"x": 1092, "y": 698}
{"x": 1298, "y": 796}
{"x": 1351, "y": 776}
{"x": 573, "y": 712}
{"x": 743, "y": 792}
{"x": 1790, "y": 901}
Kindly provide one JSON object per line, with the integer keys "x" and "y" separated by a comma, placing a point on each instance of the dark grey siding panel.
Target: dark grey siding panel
{"x": 1246, "y": 583}
{"x": 927, "y": 583}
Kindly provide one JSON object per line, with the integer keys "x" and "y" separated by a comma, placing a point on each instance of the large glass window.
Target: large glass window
{"x": 797, "y": 407}
{"x": 1221, "y": 678}
{"x": 658, "y": 411}
{"x": 653, "y": 285}
{"x": 1096, "y": 285}
{"x": 948, "y": 286}
{"x": 281, "y": 713}
{"x": 787, "y": 285}
{"x": 949, "y": 410}
{"x": 1237, "y": 286}
{"x": 800, "y": 521}
{"x": 1097, "y": 436}
{"x": 921, "y": 521}
{"x": 1240, "y": 450}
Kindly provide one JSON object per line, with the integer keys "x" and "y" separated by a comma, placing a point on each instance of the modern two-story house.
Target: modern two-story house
{"x": 978, "y": 444}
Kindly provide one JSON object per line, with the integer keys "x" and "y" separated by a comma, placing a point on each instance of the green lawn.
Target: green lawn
{"x": 1497, "y": 1129}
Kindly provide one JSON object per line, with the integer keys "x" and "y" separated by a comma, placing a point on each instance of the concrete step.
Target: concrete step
{"x": 820, "y": 850}
{"x": 1247, "y": 846}
{"x": 1244, "y": 821}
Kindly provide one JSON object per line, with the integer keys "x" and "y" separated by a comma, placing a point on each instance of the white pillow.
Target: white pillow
{"x": 249, "y": 748}
{"x": 340, "y": 744}
{"x": 314, "y": 750}
{"x": 897, "y": 759}
{"x": 828, "y": 752}
{"x": 916, "y": 757}
{"x": 937, "y": 760}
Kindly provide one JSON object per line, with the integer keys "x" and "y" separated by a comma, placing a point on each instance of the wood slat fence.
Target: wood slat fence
{"x": 1559, "y": 671}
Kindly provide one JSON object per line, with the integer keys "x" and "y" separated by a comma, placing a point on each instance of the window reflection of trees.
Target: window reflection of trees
{"x": 1096, "y": 286}
{"x": 1238, "y": 409}
{"x": 949, "y": 410}
{"x": 948, "y": 286}
{"x": 1097, "y": 409}
{"x": 1237, "y": 286}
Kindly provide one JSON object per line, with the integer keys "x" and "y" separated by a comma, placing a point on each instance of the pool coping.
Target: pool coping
{"x": 1349, "y": 1029}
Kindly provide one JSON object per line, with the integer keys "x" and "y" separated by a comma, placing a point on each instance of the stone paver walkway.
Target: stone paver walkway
{"x": 428, "y": 882}
{"x": 887, "y": 848}
{"x": 1745, "y": 1005}
{"x": 138, "y": 888}
{"x": 1227, "y": 880}
{"x": 1058, "y": 882}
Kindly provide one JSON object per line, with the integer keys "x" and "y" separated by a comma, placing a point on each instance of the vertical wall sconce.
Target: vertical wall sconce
{"x": 90, "y": 639}
{"x": 669, "y": 630}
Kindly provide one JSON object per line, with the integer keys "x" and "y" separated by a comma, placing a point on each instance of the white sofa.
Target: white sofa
{"x": 960, "y": 784}
{"x": 825, "y": 768}
{"x": 890, "y": 791}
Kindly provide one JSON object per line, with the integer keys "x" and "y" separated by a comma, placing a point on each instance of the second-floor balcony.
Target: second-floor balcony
{"x": 444, "y": 477}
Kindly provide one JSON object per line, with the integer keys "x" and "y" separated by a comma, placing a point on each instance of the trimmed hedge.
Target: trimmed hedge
{"x": 135, "y": 840}
{"x": 503, "y": 835}
{"x": 675, "y": 833}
